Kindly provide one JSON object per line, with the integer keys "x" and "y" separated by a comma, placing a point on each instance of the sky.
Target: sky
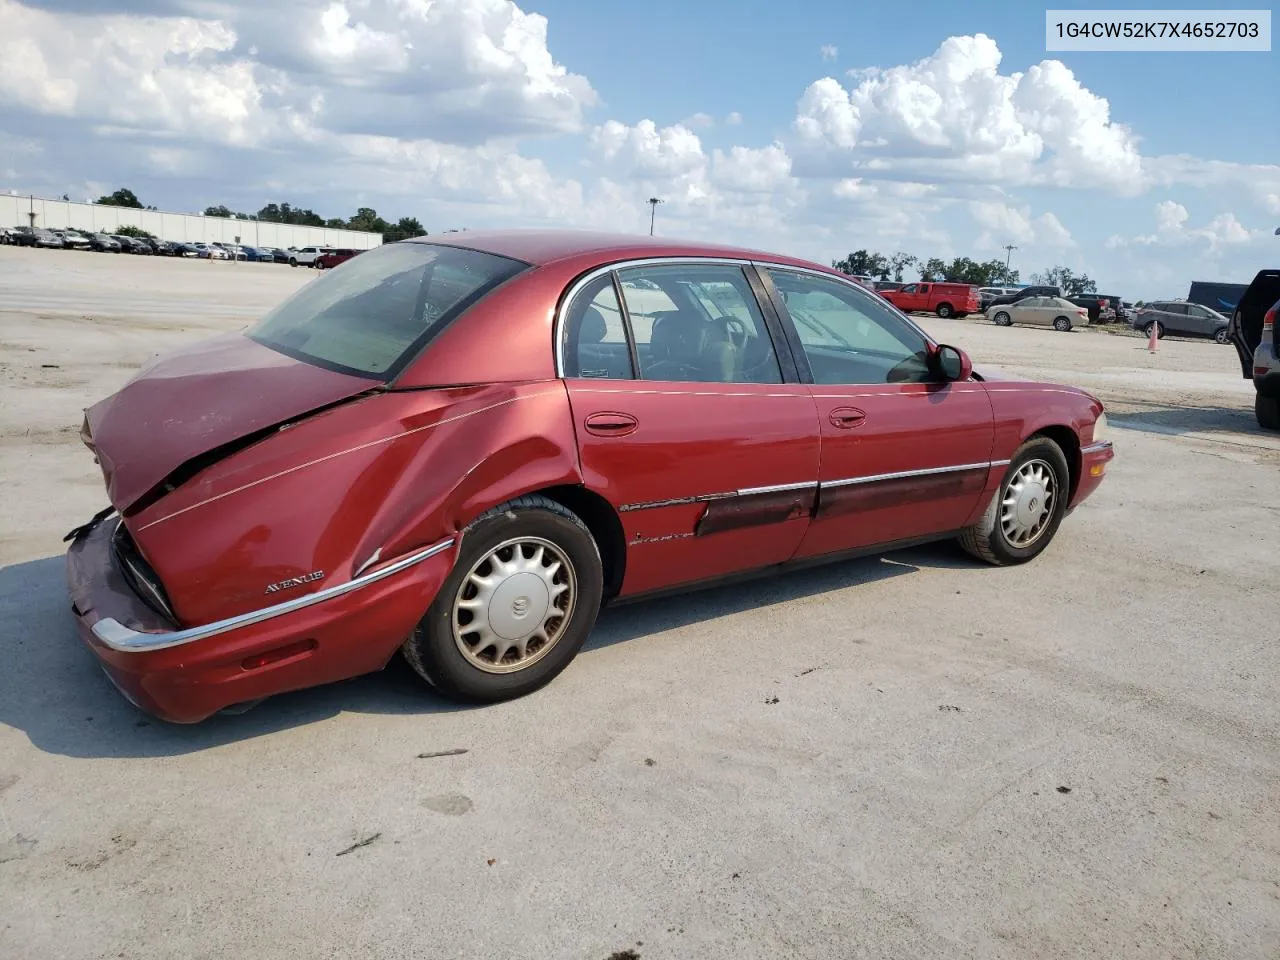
{"x": 812, "y": 129}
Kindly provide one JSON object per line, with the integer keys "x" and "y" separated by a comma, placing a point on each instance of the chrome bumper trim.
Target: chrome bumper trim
{"x": 117, "y": 636}
{"x": 1095, "y": 448}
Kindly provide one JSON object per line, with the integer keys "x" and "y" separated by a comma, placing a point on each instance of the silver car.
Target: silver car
{"x": 1053, "y": 312}
{"x": 1180, "y": 317}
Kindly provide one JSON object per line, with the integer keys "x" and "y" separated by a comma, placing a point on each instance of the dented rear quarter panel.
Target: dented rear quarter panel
{"x": 390, "y": 472}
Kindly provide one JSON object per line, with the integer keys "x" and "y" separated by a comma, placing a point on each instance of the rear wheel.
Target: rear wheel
{"x": 1267, "y": 410}
{"x": 517, "y": 607}
{"x": 1220, "y": 335}
{"x": 1025, "y": 512}
{"x": 945, "y": 311}
{"x": 1061, "y": 324}
{"x": 1004, "y": 319}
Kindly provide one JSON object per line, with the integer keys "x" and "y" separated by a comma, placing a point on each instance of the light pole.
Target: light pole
{"x": 653, "y": 209}
{"x": 1008, "y": 252}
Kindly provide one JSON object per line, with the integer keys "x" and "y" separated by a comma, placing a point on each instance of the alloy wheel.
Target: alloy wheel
{"x": 514, "y": 605}
{"x": 1027, "y": 503}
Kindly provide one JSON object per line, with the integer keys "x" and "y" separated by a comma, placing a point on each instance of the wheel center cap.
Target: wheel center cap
{"x": 519, "y": 606}
{"x": 1031, "y": 504}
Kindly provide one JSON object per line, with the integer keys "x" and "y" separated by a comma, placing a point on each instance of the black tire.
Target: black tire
{"x": 432, "y": 650}
{"x": 987, "y": 540}
{"x": 1267, "y": 410}
{"x": 1062, "y": 324}
{"x": 1146, "y": 331}
{"x": 1003, "y": 319}
{"x": 318, "y": 265}
{"x": 1220, "y": 335}
{"x": 945, "y": 311}
{"x": 293, "y": 261}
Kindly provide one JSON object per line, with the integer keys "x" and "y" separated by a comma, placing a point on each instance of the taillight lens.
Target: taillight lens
{"x": 1269, "y": 319}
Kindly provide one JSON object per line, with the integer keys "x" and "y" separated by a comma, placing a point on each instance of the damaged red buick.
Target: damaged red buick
{"x": 459, "y": 448}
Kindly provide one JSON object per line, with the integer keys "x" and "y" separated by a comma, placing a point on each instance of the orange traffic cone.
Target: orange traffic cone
{"x": 1153, "y": 343}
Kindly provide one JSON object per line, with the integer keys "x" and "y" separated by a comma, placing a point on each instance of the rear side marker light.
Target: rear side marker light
{"x": 279, "y": 653}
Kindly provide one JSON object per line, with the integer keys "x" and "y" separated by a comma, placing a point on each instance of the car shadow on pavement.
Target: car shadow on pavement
{"x": 1174, "y": 419}
{"x": 52, "y": 689}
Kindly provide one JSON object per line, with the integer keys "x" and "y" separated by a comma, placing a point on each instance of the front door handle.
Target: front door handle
{"x": 846, "y": 417}
{"x": 611, "y": 424}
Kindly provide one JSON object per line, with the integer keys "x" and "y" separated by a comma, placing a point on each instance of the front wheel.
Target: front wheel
{"x": 1267, "y": 410}
{"x": 1003, "y": 319}
{"x": 517, "y": 607}
{"x": 1024, "y": 514}
{"x": 1153, "y": 327}
{"x": 1061, "y": 324}
{"x": 1220, "y": 335}
{"x": 945, "y": 311}
{"x": 293, "y": 261}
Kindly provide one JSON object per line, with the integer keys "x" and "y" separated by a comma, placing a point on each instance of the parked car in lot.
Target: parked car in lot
{"x": 334, "y": 257}
{"x": 306, "y": 257}
{"x": 378, "y": 477}
{"x": 944, "y": 299}
{"x": 1180, "y": 317}
{"x": 47, "y": 238}
{"x": 72, "y": 239}
{"x": 1252, "y": 333}
{"x": 103, "y": 243}
{"x": 1056, "y": 312}
{"x": 22, "y": 236}
{"x": 1095, "y": 304}
{"x": 987, "y": 294}
{"x": 1022, "y": 293}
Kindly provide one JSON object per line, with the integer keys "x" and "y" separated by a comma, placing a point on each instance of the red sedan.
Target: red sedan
{"x": 331, "y": 258}
{"x": 461, "y": 447}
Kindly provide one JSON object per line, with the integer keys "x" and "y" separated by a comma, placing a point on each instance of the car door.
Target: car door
{"x": 1201, "y": 321}
{"x": 1033, "y": 311}
{"x": 690, "y": 420}
{"x": 904, "y": 454}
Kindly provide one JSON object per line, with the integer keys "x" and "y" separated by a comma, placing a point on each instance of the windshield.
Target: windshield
{"x": 371, "y": 315}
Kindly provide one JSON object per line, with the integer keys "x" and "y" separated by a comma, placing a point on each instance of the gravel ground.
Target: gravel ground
{"x": 905, "y": 756}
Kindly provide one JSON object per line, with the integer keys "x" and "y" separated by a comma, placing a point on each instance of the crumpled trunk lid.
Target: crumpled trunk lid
{"x": 200, "y": 400}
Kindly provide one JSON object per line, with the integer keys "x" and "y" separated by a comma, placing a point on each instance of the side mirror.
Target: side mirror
{"x": 952, "y": 363}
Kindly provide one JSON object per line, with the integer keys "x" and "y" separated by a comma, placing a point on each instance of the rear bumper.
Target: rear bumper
{"x": 186, "y": 675}
{"x": 1093, "y": 466}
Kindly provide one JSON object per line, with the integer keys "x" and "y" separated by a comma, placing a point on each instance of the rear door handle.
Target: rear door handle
{"x": 611, "y": 424}
{"x": 846, "y": 417}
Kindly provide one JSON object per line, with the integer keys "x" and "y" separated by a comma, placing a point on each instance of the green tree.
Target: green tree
{"x": 218, "y": 211}
{"x": 984, "y": 274}
{"x": 285, "y": 213}
{"x": 932, "y": 269}
{"x": 862, "y": 263}
{"x": 899, "y": 262}
{"x": 121, "y": 198}
{"x": 132, "y": 231}
{"x": 403, "y": 229}
{"x": 1065, "y": 280}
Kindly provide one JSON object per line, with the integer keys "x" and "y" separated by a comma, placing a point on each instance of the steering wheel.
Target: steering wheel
{"x": 672, "y": 369}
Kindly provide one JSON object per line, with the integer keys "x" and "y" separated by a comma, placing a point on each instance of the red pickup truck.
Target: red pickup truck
{"x": 944, "y": 299}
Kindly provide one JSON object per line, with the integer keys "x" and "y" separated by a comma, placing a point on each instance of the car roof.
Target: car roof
{"x": 542, "y": 247}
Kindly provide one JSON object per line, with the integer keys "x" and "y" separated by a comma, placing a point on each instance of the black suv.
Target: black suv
{"x": 1024, "y": 293}
{"x": 1246, "y": 334}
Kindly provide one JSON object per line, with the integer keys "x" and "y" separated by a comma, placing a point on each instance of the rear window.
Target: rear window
{"x": 371, "y": 317}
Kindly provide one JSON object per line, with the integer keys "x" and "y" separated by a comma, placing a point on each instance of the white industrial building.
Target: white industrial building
{"x": 178, "y": 227}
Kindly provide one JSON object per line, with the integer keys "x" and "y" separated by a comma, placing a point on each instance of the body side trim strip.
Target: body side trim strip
{"x": 903, "y": 474}
{"x": 808, "y": 484}
{"x": 119, "y": 637}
